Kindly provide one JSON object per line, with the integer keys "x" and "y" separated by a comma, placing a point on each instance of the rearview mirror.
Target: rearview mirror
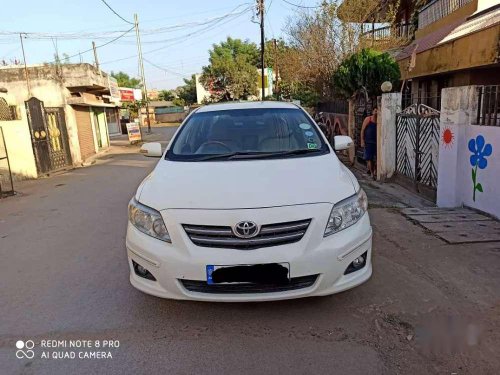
{"x": 342, "y": 142}
{"x": 151, "y": 149}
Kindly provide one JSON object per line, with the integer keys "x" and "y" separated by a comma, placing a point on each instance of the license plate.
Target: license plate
{"x": 270, "y": 273}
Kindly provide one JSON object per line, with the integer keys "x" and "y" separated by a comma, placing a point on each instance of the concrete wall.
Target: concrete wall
{"x": 201, "y": 93}
{"x": 455, "y": 170}
{"x": 389, "y": 105}
{"x": 171, "y": 117}
{"x": 18, "y": 141}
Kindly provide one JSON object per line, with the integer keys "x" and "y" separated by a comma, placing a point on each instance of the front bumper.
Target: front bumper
{"x": 313, "y": 255}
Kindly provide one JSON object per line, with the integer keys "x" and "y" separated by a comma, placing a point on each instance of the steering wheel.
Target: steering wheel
{"x": 218, "y": 143}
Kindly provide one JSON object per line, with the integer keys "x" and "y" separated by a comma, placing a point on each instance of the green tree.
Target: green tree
{"x": 134, "y": 107}
{"x": 167, "y": 95}
{"x": 232, "y": 70}
{"x": 187, "y": 92}
{"x": 124, "y": 80}
{"x": 367, "y": 69}
{"x": 179, "y": 102}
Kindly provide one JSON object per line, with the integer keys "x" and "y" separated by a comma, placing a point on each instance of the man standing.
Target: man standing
{"x": 369, "y": 142}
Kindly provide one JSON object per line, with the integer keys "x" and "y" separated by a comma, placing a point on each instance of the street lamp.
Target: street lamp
{"x": 386, "y": 86}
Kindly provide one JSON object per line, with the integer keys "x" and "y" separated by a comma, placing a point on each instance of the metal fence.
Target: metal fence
{"x": 488, "y": 106}
{"x": 438, "y": 9}
{"x": 334, "y": 106}
{"x": 6, "y": 184}
{"x": 432, "y": 100}
{"x": 386, "y": 33}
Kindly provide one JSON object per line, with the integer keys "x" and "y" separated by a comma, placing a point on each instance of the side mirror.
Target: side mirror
{"x": 342, "y": 142}
{"x": 151, "y": 149}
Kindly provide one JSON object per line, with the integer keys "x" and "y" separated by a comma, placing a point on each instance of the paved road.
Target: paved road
{"x": 64, "y": 276}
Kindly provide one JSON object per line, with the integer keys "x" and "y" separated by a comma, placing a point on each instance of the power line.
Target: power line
{"x": 209, "y": 24}
{"x": 99, "y": 46}
{"x": 181, "y": 39}
{"x": 165, "y": 69}
{"x": 109, "y": 6}
{"x": 267, "y": 19}
{"x": 302, "y": 6}
{"x": 79, "y": 35}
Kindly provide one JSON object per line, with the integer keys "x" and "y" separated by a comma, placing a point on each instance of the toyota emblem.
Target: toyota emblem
{"x": 246, "y": 229}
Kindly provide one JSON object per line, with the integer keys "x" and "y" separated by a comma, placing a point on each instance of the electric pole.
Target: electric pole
{"x": 262, "y": 43}
{"x": 25, "y": 67}
{"x": 276, "y": 68}
{"x": 95, "y": 58}
{"x": 141, "y": 69}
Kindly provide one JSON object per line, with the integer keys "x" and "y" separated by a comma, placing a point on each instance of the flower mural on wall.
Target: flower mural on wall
{"x": 480, "y": 150}
{"x": 447, "y": 138}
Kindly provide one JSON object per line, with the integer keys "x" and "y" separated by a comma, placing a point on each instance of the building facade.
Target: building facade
{"x": 63, "y": 115}
{"x": 439, "y": 44}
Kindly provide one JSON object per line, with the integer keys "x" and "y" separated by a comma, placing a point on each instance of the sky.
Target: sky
{"x": 175, "y": 35}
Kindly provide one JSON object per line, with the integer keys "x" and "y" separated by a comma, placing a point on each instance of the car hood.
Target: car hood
{"x": 246, "y": 183}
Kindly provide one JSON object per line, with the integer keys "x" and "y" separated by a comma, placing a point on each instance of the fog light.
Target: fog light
{"x": 356, "y": 264}
{"x": 142, "y": 272}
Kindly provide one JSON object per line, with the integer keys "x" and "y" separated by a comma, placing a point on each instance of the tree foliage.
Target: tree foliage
{"x": 367, "y": 69}
{"x": 178, "y": 102}
{"x": 167, "y": 95}
{"x": 124, "y": 80}
{"x": 318, "y": 42}
{"x": 187, "y": 92}
{"x": 232, "y": 70}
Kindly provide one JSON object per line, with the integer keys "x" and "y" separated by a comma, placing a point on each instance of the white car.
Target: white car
{"x": 249, "y": 202}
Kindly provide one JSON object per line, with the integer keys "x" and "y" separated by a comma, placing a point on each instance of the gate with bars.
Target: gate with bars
{"x": 48, "y": 136}
{"x": 417, "y": 148}
{"x": 6, "y": 184}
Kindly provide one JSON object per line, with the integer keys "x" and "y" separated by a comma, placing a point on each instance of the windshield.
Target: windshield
{"x": 247, "y": 134}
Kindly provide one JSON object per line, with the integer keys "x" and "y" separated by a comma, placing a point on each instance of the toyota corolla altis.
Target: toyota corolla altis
{"x": 249, "y": 202}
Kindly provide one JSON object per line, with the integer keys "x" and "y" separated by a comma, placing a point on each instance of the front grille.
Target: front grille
{"x": 269, "y": 235}
{"x": 202, "y": 286}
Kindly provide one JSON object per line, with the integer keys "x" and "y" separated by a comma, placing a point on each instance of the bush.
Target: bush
{"x": 367, "y": 68}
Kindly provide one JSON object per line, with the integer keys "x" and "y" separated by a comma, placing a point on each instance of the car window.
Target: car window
{"x": 268, "y": 132}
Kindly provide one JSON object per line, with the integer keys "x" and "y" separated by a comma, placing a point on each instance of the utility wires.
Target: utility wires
{"x": 116, "y": 13}
{"x": 302, "y": 6}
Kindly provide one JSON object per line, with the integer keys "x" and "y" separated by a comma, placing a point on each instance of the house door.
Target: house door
{"x": 97, "y": 129}
{"x": 48, "y": 136}
{"x": 100, "y": 127}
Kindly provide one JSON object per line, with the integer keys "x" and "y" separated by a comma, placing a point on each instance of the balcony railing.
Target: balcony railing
{"x": 438, "y": 9}
{"x": 388, "y": 34}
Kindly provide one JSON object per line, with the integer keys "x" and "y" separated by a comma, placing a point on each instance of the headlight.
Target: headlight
{"x": 346, "y": 213}
{"x": 147, "y": 220}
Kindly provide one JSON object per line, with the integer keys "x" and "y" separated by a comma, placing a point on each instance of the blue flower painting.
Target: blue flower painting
{"x": 480, "y": 151}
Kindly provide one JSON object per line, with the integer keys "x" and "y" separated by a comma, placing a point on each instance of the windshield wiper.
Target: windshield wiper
{"x": 256, "y": 155}
{"x": 296, "y": 152}
{"x": 221, "y": 156}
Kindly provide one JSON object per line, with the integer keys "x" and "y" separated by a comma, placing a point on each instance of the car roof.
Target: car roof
{"x": 246, "y": 105}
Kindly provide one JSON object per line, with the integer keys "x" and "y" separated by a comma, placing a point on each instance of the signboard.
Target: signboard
{"x": 126, "y": 95}
{"x": 113, "y": 87}
{"x": 134, "y": 132}
{"x": 137, "y": 94}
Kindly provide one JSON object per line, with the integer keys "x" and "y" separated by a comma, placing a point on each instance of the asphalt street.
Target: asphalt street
{"x": 430, "y": 307}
